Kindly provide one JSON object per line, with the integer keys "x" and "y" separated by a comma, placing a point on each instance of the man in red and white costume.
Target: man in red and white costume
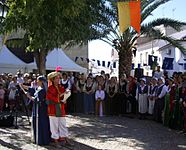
{"x": 56, "y": 110}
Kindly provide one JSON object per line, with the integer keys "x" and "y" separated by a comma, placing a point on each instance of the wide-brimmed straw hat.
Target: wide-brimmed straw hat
{"x": 52, "y": 75}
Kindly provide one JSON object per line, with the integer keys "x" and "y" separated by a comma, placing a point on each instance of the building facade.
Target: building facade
{"x": 158, "y": 52}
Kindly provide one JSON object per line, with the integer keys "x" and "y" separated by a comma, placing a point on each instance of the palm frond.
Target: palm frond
{"x": 150, "y": 8}
{"x": 145, "y": 3}
{"x": 107, "y": 41}
{"x": 175, "y": 43}
{"x": 175, "y": 24}
{"x": 156, "y": 34}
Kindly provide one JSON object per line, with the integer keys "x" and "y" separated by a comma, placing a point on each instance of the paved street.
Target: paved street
{"x": 107, "y": 133}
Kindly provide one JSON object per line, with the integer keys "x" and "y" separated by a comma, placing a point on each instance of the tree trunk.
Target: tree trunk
{"x": 125, "y": 61}
{"x": 40, "y": 57}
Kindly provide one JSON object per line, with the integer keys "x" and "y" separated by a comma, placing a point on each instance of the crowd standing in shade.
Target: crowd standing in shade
{"x": 159, "y": 98}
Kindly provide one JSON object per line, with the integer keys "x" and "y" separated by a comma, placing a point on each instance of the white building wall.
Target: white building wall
{"x": 153, "y": 47}
{"x": 146, "y": 49}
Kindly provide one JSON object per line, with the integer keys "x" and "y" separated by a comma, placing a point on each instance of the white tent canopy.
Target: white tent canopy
{"x": 10, "y": 63}
{"x": 58, "y": 58}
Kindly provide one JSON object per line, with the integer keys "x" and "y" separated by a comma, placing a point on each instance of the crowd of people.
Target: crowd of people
{"x": 161, "y": 97}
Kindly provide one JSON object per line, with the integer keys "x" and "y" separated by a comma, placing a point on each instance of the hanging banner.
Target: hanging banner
{"x": 129, "y": 14}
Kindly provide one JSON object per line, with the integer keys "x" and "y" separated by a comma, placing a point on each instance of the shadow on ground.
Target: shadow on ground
{"x": 93, "y": 133}
{"x": 125, "y": 131}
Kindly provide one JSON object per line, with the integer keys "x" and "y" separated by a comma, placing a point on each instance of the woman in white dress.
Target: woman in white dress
{"x": 141, "y": 97}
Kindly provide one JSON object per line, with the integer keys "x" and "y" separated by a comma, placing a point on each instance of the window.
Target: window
{"x": 168, "y": 63}
{"x": 169, "y": 51}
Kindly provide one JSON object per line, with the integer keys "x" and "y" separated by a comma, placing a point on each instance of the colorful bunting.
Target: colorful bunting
{"x": 82, "y": 58}
{"x": 103, "y": 63}
{"x": 108, "y": 65}
{"x": 139, "y": 66}
{"x": 114, "y": 64}
{"x": 87, "y": 60}
{"x": 99, "y": 64}
{"x": 76, "y": 58}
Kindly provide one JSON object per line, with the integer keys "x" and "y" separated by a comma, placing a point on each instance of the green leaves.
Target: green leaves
{"x": 51, "y": 23}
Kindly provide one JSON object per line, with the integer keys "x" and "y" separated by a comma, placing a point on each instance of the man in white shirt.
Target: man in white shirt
{"x": 158, "y": 73}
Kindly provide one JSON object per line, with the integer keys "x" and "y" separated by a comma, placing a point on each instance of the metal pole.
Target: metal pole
{"x": 37, "y": 118}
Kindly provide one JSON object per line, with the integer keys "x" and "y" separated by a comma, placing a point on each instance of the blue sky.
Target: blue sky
{"x": 175, "y": 9}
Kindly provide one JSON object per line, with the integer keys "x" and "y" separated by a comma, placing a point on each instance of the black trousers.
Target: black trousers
{"x": 158, "y": 108}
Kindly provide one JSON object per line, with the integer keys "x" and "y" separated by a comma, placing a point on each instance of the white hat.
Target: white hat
{"x": 154, "y": 78}
{"x": 143, "y": 79}
{"x": 162, "y": 79}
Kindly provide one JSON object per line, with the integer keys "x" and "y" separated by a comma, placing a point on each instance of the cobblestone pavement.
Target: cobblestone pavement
{"x": 106, "y": 133}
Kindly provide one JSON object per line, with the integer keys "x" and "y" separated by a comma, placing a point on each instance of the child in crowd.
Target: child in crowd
{"x": 2, "y": 93}
{"x": 100, "y": 96}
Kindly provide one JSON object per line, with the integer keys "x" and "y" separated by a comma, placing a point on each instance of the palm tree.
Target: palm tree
{"x": 126, "y": 43}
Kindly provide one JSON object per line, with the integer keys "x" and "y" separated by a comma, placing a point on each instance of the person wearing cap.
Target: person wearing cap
{"x": 141, "y": 97}
{"x": 56, "y": 110}
{"x": 151, "y": 95}
{"x": 160, "y": 99}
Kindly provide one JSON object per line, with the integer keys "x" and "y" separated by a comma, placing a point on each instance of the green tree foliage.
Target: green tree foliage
{"x": 52, "y": 23}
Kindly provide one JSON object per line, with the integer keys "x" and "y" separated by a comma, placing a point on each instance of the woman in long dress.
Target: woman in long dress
{"x": 40, "y": 119}
{"x": 111, "y": 99}
{"x": 89, "y": 103}
{"x": 80, "y": 97}
{"x": 122, "y": 95}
